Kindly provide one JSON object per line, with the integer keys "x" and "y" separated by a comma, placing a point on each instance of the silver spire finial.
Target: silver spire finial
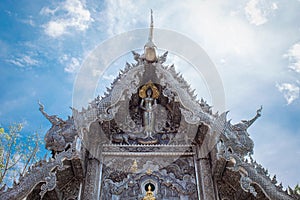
{"x": 151, "y": 28}
{"x": 149, "y": 47}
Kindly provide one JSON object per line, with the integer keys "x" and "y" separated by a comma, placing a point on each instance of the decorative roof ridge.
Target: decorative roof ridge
{"x": 161, "y": 59}
{"x": 106, "y": 95}
{"x": 265, "y": 173}
{"x": 41, "y": 171}
{"x": 191, "y": 91}
{"x": 253, "y": 173}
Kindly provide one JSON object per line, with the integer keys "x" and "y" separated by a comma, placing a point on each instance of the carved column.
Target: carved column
{"x": 204, "y": 178}
{"x": 92, "y": 184}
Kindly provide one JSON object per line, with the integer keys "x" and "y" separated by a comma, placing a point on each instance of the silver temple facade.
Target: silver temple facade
{"x": 148, "y": 138}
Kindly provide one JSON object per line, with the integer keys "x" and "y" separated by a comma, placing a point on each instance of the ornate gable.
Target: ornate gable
{"x": 148, "y": 137}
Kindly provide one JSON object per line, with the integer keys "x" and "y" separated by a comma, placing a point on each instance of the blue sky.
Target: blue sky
{"x": 255, "y": 45}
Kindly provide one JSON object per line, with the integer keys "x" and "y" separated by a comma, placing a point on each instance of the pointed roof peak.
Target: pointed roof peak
{"x": 149, "y": 48}
{"x": 150, "y": 38}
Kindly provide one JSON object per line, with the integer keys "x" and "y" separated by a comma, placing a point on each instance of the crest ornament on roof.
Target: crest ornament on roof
{"x": 150, "y": 52}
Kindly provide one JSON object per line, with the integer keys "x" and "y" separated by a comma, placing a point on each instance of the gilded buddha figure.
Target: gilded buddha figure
{"x": 149, "y": 93}
{"x": 149, "y": 194}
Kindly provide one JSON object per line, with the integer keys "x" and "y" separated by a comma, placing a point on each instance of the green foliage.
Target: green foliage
{"x": 17, "y": 152}
{"x": 297, "y": 189}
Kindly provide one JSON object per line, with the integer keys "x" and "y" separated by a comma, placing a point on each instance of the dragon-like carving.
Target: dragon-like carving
{"x": 61, "y": 134}
{"x": 237, "y": 138}
{"x": 245, "y": 124}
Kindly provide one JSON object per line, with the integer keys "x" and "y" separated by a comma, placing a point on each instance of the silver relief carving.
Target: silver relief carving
{"x": 192, "y": 111}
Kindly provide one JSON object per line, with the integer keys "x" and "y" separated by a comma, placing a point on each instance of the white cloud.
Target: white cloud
{"x": 23, "y": 61}
{"x": 290, "y": 91}
{"x": 294, "y": 57}
{"x": 109, "y": 77}
{"x": 118, "y": 18}
{"x": 29, "y": 21}
{"x": 258, "y": 11}
{"x": 72, "y": 64}
{"x": 96, "y": 72}
{"x": 48, "y": 11}
{"x": 69, "y": 15}
{"x": 55, "y": 29}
